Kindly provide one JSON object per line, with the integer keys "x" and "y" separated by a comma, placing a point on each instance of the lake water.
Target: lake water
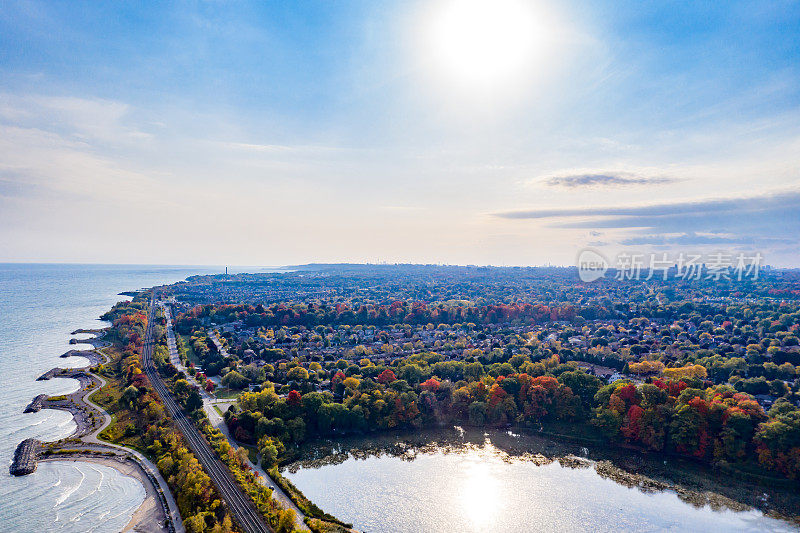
{"x": 39, "y": 306}
{"x": 478, "y": 487}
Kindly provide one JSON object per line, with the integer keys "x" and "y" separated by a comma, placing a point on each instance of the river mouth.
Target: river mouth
{"x": 458, "y": 479}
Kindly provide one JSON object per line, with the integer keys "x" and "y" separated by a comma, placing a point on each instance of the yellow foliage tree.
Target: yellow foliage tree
{"x": 351, "y": 383}
{"x": 646, "y": 367}
{"x": 688, "y": 371}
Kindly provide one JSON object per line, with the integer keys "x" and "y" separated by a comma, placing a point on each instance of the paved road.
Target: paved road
{"x": 214, "y": 336}
{"x": 92, "y": 438}
{"x": 218, "y": 422}
{"x": 244, "y": 512}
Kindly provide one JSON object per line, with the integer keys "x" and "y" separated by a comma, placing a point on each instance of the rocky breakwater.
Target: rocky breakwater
{"x": 97, "y": 341}
{"x": 36, "y": 405}
{"x": 25, "y": 458}
{"x": 87, "y": 418}
{"x": 93, "y": 357}
{"x": 53, "y": 372}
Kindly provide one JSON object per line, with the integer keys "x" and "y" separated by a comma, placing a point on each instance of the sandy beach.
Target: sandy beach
{"x": 91, "y": 419}
{"x": 150, "y": 514}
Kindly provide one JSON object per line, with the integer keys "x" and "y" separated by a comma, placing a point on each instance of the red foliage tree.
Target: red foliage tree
{"x": 387, "y": 376}
{"x": 293, "y": 398}
{"x": 631, "y": 426}
{"x": 431, "y": 385}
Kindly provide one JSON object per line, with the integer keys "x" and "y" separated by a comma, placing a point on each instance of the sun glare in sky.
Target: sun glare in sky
{"x": 485, "y": 43}
{"x": 503, "y": 132}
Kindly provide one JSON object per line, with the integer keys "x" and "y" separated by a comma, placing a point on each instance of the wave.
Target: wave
{"x": 70, "y": 490}
{"x": 41, "y": 305}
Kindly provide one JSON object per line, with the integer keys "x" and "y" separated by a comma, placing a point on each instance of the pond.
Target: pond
{"x": 503, "y": 482}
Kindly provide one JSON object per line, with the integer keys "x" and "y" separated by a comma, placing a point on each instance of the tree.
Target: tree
{"x": 181, "y": 387}
{"x": 411, "y": 373}
{"x": 689, "y": 428}
{"x": 195, "y": 523}
{"x": 431, "y": 385}
{"x": 608, "y": 421}
{"x": 297, "y": 373}
{"x": 646, "y": 367}
{"x": 193, "y": 401}
{"x": 297, "y": 430}
{"x": 584, "y": 385}
{"x": 778, "y": 442}
{"x": 242, "y": 454}
{"x": 293, "y": 399}
{"x": 269, "y": 453}
{"x": 351, "y": 383}
{"x": 477, "y": 413}
{"x": 286, "y": 521}
{"x": 473, "y": 370}
{"x": 130, "y": 394}
{"x": 387, "y": 376}
{"x": 687, "y": 371}
{"x": 234, "y": 380}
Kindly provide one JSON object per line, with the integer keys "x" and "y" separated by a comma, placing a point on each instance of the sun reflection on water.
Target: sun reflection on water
{"x": 480, "y": 495}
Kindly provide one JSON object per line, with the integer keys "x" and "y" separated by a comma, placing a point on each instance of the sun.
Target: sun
{"x": 485, "y": 42}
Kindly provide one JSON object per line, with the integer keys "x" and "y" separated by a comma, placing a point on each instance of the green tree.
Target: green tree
{"x": 193, "y": 401}
{"x": 234, "y": 380}
{"x": 129, "y": 395}
{"x": 583, "y": 385}
{"x": 297, "y": 373}
{"x": 477, "y": 413}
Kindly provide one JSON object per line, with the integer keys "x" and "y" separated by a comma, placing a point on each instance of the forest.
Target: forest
{"x": 149, "y": 430}
{"x": 701, "y": 371}
{"x": 687, "y": 416}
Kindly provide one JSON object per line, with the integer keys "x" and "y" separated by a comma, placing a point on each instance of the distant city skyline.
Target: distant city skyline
{"x": 502, "y": 133}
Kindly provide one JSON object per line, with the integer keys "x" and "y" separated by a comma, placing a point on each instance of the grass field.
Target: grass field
{"x": 224, "y": 393}
{"x": 120, "y": 429}
{"x": 187, "y": 342}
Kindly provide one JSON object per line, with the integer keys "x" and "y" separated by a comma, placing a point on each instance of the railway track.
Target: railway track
{"x": 244, "y": 511}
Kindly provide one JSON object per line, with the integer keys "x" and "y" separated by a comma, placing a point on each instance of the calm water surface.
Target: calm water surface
{"x": 39, "y": 306}
{"x": 478, "y": 488}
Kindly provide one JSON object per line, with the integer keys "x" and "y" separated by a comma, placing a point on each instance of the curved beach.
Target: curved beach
{"x": 158, "y": 512}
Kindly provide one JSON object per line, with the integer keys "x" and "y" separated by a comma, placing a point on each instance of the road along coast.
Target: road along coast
{"x": 159, "y": 511}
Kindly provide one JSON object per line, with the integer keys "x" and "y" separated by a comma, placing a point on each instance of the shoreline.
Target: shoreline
{"x": 158, "y": 512}
{"x": 149, "y": 515}
{"x": 691, "y": 481}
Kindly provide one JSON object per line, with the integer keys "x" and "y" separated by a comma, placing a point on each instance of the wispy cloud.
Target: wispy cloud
{"x": 784, "y": 200}
{"x": 700, "y": 239}
{"x": 766, "y": 222}
{"x": 278, "y": 148}
{"x": 81, "y": 119}
{"x": 605, "y": 179}
{"x": 400, "y": 208}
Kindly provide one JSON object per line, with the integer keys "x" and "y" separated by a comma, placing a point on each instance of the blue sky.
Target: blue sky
{"x": 285, "y": 132}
